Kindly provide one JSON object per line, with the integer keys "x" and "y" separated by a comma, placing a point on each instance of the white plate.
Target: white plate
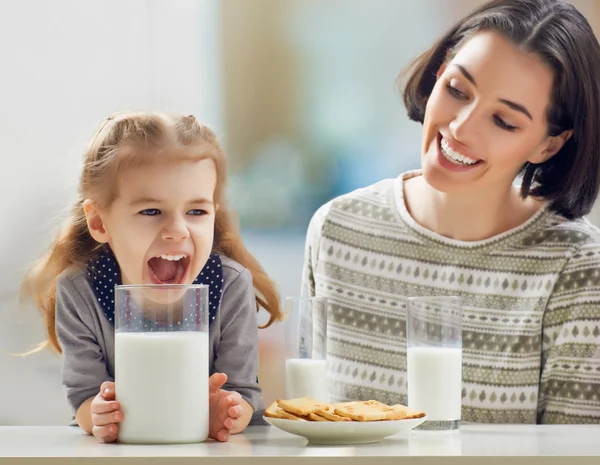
{"x": 344, "y": 432}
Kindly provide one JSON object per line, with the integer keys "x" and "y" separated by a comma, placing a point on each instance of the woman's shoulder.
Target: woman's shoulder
{"x": 577, "y": 233}
{"x": 372, "y": 193}
{"x": 577, "y": 241}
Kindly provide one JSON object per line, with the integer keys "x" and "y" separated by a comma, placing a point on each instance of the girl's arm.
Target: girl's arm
{"x": 83, "y": 416}
{"x": 237, "y": 353}
{"x": 83, "y": 365}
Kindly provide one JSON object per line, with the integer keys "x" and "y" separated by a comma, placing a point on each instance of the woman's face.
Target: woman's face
{"x": 486, "y": 117}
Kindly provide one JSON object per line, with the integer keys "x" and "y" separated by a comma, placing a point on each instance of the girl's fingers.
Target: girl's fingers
{"x": 235, "y": 411}
{"x": 105, "y": 407}
{"x": 234, "y": 398}
{"x": 104, "y": 419}
{"x": 223, "y": 435}
{"x": 228, "y": 423}
{"x": 107, "y": 385}
{"x": 106, "y": 433}
{"x": 107, "y": 390}
{"x": 216, "y": 381}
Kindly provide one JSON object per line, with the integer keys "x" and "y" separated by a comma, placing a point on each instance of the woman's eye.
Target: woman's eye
{"x": 503, "y": 124}
{"x": 455, "y": 92}
{"x": 150, "y": 212}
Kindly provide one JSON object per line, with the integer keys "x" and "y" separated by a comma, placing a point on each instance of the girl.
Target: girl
{"x": 152, "y": 210}
{"x": 511, "y": 89}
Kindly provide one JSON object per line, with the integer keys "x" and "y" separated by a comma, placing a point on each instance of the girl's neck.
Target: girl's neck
{"x": 466, "y": 217}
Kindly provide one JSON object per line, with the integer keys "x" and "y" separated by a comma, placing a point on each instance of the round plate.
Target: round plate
{"x": 344, "y": 432}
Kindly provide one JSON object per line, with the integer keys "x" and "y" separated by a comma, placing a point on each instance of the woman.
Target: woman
{"x": 511, "y": 91}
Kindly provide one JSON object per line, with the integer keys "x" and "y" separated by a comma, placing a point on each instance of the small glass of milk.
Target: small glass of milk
{"x": 434, "y": 360}
{"x": 161, "y": 363}
{"x": 306, "y": 347}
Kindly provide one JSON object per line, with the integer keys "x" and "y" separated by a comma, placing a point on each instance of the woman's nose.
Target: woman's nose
{"x": 465, "y": 124}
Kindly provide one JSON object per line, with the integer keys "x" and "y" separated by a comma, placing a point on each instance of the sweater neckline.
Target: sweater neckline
{"x": 404, "y": 216}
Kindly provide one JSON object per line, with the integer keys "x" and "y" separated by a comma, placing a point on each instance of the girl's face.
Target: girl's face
{"x": 486, "y": 117}
{"x": 161, "y": 225}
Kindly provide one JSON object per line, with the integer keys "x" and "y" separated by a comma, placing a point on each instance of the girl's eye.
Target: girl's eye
{"x": 150, "y": 212}
{"x": 455, "y": 92}
{"x": 197, "y": 212}
{"x": 504, "y": 125}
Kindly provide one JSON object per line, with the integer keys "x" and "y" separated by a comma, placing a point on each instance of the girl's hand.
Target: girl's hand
{"x": 225, "y": 408}
{"x": 106, "y": 413}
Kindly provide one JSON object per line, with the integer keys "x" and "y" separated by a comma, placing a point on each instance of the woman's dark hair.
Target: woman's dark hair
{"x": 562, "y": 37}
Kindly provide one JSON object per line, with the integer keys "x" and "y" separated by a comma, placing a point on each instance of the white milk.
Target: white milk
{"x": 162, "y": 384}
{"x": 435, "y": 381}
{"x": 305, "y": 377}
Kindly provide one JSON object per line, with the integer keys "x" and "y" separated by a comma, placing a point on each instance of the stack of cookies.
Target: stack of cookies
{"x": 307, "y": 409}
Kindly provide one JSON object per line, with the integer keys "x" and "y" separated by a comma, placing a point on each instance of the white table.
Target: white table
{"x": 511, "y": 444}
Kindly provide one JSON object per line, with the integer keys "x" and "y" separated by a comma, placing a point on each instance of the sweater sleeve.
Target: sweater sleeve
{"x": 570, "y": 376}
{"x": 83, "y": 364}
{"x": 311, "y": 249}
{"x": 237, "y": 355}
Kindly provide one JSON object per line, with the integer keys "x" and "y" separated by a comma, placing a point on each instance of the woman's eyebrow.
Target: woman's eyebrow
{"x": 513, "y": 105}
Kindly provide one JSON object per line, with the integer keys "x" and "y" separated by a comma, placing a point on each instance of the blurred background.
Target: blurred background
{"x": 301, "y": 93}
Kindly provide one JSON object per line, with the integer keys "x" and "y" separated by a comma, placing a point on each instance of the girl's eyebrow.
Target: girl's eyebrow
{"x": 513, "y": 105}
{"x": 202, "y": 200}
{"x": 146, "y": 200}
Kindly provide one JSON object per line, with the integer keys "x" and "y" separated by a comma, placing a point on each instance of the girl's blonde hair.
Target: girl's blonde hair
{"x": 124, "y": 140}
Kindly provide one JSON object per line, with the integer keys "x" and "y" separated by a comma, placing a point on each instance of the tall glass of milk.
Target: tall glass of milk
{"x": 306, "y": 347}
{"x": 434, "y": 360}
{"x": 161, "y": 363}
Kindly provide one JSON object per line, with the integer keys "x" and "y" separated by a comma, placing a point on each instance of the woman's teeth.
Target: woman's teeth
{"x": 172, "y": 258}
{"x": 455, "y": 157}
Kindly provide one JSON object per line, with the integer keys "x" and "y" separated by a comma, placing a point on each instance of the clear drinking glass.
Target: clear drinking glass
{"x": 434, "y": 360}
{"x": 161, "y": 362}
{"x": 306, "y": 347}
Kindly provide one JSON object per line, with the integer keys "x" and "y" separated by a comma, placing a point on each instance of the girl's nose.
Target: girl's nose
{"x": 175, "y": 230}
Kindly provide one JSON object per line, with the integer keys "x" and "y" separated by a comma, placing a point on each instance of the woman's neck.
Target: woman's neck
{"x": 466, "y": 217}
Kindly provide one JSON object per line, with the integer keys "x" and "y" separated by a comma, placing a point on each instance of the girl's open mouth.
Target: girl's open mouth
{"x": 168, "y": 269}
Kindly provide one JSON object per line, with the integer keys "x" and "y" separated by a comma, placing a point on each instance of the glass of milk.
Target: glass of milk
{"x": 434, "y": 360}
{"x": 161, "y": 363}
{"x": 306, "y": 347}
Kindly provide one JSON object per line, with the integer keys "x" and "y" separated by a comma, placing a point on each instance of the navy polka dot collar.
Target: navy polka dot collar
{"x": 104, "y": 274}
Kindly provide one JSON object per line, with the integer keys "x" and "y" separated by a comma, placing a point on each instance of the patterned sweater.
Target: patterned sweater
{"x": 531, "y": 306}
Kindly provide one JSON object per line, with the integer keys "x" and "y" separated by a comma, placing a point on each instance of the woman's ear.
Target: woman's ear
{"x": 95, "y": 222}
{"x": 551, "y": 147}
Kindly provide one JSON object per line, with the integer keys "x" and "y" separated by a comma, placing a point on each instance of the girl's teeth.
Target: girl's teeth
{"x": 173, "y": 258}
{"x": 455, "y": 156}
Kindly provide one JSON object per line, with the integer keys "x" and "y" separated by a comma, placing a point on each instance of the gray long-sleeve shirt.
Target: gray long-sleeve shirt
{"x": 87, "y": 337}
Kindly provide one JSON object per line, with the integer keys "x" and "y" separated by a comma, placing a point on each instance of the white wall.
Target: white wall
{"x": 65, "y": 65}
